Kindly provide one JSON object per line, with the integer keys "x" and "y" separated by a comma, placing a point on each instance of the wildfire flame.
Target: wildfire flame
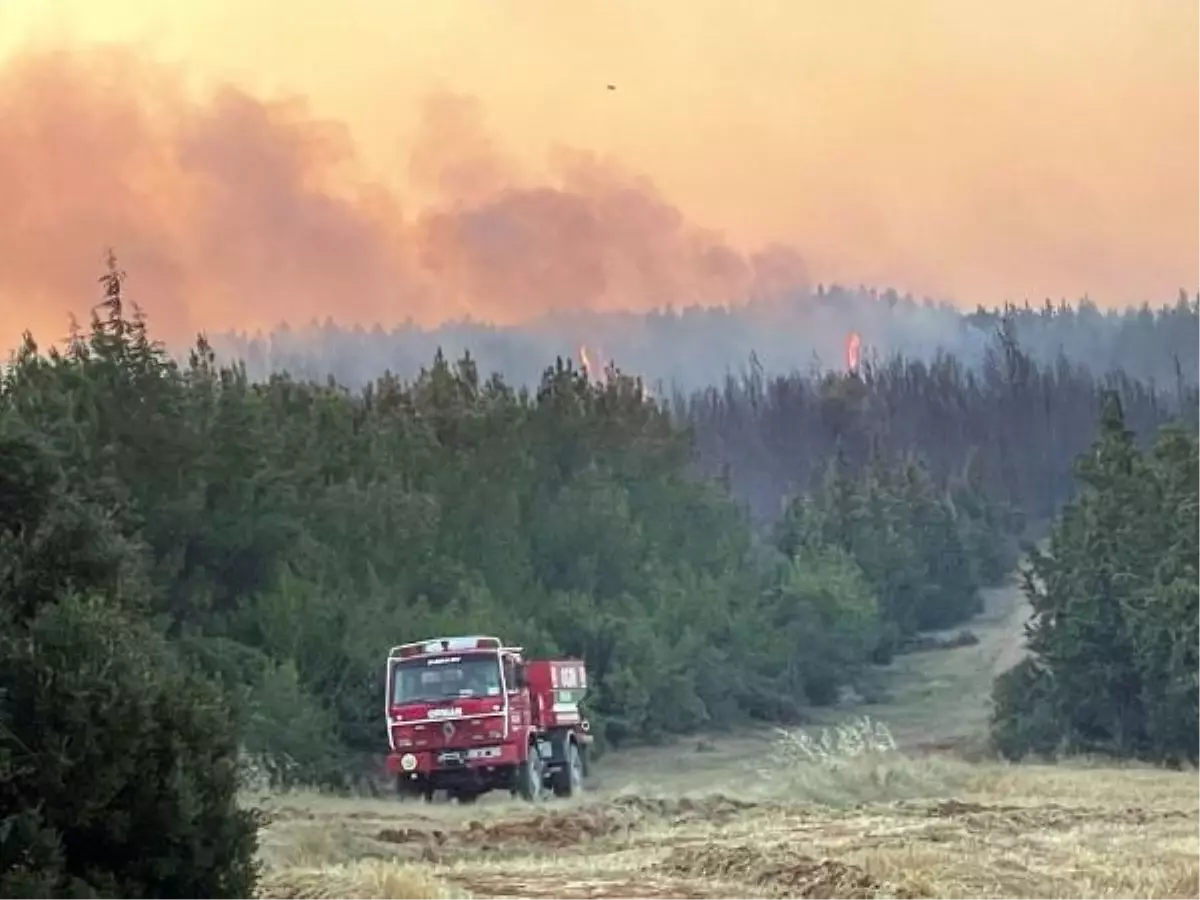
{"x": 585, "y": 362}
{"x": 853, "y": 351}
{"x": 597, "y": 371}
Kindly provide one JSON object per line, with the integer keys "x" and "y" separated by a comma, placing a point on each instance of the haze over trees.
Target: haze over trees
{"x": 693, "y": 348}
{"x": 181, "y": 544}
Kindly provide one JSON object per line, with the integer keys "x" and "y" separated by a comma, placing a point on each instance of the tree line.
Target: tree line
{"x": 691, "y": 348}
{"x": 1016, "y": 422}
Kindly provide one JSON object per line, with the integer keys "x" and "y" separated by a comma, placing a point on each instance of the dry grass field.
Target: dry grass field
{"x": 846, "y": 808}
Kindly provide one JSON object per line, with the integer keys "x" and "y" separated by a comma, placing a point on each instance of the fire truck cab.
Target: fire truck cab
{"x": 467, "y": 715}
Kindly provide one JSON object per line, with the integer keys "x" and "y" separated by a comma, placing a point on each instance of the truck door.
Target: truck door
{"x": 519, "y": 713}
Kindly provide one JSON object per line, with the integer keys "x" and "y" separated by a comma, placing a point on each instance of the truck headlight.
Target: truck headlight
{"x": 408, "y": 762}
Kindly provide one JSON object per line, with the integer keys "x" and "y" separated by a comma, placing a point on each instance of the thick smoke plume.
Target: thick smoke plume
{"x": 230, "y": 209}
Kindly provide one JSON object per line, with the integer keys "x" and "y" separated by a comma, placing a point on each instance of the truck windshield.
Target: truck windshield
{"x": 445, "y": 678}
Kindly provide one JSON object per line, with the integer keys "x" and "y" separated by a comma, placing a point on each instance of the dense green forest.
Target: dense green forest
{"x": 217, "y": 562}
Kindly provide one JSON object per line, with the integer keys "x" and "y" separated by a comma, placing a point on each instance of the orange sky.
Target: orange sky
{"x": 373, "y": 159}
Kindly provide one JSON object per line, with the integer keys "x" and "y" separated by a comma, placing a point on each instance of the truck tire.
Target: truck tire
{"x": 568, "y": 781}
{"x": 465, "y": 798}
{"x": 406, "y": 790}
{"x": 529, "y": 777}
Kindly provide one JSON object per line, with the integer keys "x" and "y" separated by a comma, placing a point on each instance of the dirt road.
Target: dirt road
{"x": 935, "y": 699}
{"x": 942, "y": 698}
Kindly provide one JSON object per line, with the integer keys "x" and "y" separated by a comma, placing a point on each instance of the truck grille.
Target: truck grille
{"x": 460, "y": 733}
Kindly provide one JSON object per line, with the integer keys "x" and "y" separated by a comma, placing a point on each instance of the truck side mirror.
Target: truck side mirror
{"x": 520, "y": 681}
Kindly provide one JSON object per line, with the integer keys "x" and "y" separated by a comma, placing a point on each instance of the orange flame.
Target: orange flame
{"x": 594, "y": 371}
{"x": 599, "y": 372}
{"x": 853, "y": 351}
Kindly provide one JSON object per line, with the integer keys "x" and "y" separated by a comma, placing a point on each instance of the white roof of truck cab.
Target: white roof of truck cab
{"x": 445, "y": 645}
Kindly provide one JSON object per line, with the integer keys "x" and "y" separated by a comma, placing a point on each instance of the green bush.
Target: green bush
{"x": 118, "y": 769}
{"x": 1024, "y": 721}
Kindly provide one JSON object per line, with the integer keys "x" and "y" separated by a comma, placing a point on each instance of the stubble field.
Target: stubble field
{"x": 875, "y": 800}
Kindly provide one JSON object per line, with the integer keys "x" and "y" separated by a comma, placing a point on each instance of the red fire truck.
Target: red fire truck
{"x": 467, "y": 715}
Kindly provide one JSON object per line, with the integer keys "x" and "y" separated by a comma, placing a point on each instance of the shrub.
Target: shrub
{"x": 118, "y": 768}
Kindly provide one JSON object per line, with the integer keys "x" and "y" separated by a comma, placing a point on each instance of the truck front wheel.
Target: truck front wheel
{"x": 408, "y": 790}
{"x": 568, "y": 781}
